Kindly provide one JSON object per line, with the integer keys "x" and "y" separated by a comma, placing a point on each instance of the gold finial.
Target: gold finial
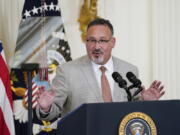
{"x": 88, "y": 13}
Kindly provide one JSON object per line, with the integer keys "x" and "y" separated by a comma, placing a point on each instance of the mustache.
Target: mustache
{"x": 97, "y": 51}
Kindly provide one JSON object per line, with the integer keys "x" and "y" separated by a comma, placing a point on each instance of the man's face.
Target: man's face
{"x": 99, "y": 43}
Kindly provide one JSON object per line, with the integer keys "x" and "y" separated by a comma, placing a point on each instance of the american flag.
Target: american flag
{"x": 41, "y": 39}
{"x": 6, "y": 113}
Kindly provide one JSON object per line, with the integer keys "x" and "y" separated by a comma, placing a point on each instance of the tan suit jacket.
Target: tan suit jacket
{"x": 76, "y": 84}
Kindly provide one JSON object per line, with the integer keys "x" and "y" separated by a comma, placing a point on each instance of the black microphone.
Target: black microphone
{"x": 122, "y": 84}
{"x": 118, "y": 78}
{"x": 135, "y": 81}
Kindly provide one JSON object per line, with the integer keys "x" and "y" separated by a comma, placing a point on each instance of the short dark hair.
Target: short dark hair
{"x": 101, "y": 21}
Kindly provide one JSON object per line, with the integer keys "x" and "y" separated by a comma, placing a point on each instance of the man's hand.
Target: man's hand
{"x": 45, "y": 99}
{"x": 154, "y": 92}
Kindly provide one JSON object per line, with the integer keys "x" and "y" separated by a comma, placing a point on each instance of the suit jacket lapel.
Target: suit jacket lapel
{"x": 90, "y": 77}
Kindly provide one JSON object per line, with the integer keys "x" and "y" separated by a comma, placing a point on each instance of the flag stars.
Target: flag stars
{"x": 35, "y": 10}
{"x": 38, "y": 10}
{"x": 63, "y": 48}
{"x": 27, "y": 13}
{"x": 67, "y": 51}
{"x": 45, "y": 7}
{"x": 51, "y": 6}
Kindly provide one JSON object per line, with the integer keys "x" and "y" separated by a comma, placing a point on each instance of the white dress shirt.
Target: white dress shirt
{"x": 109, "y": 70}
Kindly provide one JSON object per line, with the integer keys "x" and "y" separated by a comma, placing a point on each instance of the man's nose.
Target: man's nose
{"x": 97, "y": 45}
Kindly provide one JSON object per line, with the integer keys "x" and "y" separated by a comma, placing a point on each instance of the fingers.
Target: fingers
{"x": 52, "y": 92}
{"x": 45, "y": 95}
{"x": 155, "y": 84}
{"x": 41, "y": 89}
{"x": 161, "y": 88}
{"x": 158, "y": 87}
{"x": 161, "y": 94}
{"x": 154, "y": 92}
{"x": 46, "y": 99}
{"x": 53, "y": 88}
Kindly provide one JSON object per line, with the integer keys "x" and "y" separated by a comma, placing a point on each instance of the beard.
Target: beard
{"x": 98, "y": 60}
{"x": 97, "y": 56}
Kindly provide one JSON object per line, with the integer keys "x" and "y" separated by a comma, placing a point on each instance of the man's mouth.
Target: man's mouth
{"x": 97, "y": 53}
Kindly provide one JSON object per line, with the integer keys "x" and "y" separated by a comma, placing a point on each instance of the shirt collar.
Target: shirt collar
{"x": 108, "y": 65}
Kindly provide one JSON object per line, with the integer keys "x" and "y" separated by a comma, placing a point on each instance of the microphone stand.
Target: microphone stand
{"x": 137, "y": 91}
{"x": 129, "y": 96}
{"x": 29, "y": 68}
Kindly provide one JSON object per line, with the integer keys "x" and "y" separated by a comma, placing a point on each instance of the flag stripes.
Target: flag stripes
{"x": 6, "y": 113}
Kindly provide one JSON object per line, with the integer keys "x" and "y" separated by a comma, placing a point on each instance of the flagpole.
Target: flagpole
{"x": 29, "y": 68}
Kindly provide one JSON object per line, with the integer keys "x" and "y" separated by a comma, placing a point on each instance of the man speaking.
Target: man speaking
{"x": 89, "y": 78}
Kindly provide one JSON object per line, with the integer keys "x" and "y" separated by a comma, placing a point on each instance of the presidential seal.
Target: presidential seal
{"x": 137, "y": 123}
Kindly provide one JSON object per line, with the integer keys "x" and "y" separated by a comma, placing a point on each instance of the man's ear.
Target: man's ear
{"x": 113, "y": 41}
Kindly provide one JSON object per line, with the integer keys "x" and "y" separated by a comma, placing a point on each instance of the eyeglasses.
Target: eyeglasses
{"x": 101, "y": 41}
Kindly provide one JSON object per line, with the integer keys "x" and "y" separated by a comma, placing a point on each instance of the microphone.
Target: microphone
{"x": 135, "y": 81}
{"x": 122, "y": 84}
{"x": 118, "y": 78}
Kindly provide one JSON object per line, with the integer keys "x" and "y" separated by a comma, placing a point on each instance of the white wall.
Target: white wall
{"x": 166, "y": 41}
